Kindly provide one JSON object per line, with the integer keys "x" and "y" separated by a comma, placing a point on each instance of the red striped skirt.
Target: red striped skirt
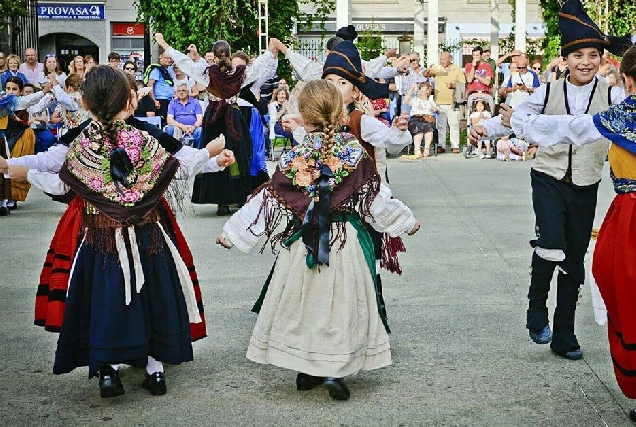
{"x": 50, "y": 299}
{"x": 614, "y": 269}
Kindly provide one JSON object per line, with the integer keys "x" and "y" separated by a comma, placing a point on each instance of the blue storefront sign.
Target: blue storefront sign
{"x": 71, "y": 11}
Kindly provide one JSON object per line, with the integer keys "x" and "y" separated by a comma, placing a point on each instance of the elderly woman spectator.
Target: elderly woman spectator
{"x": 77, "y": 66}
{"x": 13, "y": 63}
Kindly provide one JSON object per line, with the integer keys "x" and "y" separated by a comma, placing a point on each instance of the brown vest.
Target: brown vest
{"x": 355, "y": 120}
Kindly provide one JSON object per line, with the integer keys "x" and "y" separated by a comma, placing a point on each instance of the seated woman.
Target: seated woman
{"x": 278, "y": 108}
{"x": 422, "y": 121}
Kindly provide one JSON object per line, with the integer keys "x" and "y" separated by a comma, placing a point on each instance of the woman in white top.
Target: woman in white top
{"x": 422, "y": 121}
{"x": 52, "y": 66}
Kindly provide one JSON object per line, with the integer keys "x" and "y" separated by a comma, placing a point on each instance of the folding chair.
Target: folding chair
{"x": 156, "y": 120}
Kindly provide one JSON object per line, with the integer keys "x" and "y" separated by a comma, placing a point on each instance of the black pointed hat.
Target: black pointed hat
{"x": 579, "y": 31}
{"x": 344, "y": 61}
{"x": 347, "y": 33}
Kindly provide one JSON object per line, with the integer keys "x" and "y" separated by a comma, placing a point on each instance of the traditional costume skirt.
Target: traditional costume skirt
{"x": 323, "y": 321}
{"x": 418, "y": 124}
{"x": 50, "y": 300}
{"x": 615, "y": 273}
{"x": 25, "y": 145}
{"x": 100, "y": 327}
{"x": 232, "y": 185}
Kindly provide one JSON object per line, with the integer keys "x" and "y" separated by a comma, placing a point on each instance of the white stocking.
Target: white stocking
{"x": 153, "y": 366}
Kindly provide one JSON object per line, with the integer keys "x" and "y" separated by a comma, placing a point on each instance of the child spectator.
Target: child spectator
{"x": 477, "y": 116}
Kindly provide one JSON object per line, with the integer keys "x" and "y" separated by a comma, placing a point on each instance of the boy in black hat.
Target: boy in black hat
{"x": 343, "y": 68}
{"x": 564, "y": 178}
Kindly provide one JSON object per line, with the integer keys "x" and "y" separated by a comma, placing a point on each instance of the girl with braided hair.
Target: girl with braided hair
{"x": 319, "y": 311}
{"x": 131, "y": 298}
{"x": 224, "y": 84}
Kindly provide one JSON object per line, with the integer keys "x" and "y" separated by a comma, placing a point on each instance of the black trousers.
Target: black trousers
{"x": 163, "y": 109}
{"x": 564, "y": 215}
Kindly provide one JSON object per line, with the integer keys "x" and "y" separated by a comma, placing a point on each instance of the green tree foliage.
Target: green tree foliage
{"x": 319, "y": 12}
{"x": 203, "y": 22}
{"x": 614, "y": 16}
{"x": 12, "y": 8}
{"x": 370, "y": 43}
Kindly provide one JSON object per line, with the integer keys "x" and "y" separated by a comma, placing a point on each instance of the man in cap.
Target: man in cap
{"x": 564, "y": 178}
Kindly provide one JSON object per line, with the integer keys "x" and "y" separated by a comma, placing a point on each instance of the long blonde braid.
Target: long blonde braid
{"x": 321, "y": 105}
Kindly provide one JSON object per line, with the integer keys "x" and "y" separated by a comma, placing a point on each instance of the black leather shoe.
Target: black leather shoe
{"x": 632, "y": 415}
{"x": 109, "y": 383}
{"x": 570, "y": 355}
{"x": 4, "y": 211}
{"x": 307, "y": 382}
{"x": 223, "y": 210}
{"x": 13, "y": 206}
{"x": 155, "y": 383}
{"x": 337, "y": 388}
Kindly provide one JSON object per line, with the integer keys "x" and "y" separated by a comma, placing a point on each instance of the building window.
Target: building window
{"x": 127, "y": 39}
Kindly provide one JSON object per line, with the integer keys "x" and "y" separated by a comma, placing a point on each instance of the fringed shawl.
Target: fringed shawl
{"x": 353, "y": 187}
{"x": 87, "y": 171}
{"x": 224, "y": 86}
{"x": 618, "y": 123}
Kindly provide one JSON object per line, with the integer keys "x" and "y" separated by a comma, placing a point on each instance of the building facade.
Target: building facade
{"x": 461, "y": 24}
{"x": 71, "y": 28}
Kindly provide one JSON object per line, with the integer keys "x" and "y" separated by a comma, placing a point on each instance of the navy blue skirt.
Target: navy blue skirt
{"x": 99, "y": 328}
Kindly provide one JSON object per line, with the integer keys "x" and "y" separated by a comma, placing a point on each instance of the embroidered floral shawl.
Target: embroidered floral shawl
{"x": 352, "y": 188}
{"x": 87, "y": 171}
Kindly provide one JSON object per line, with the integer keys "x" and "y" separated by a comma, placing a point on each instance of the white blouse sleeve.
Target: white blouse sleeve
{"x": 239, "y": 229}
{"x": 50, "y": 160}
{"x": 379, "y": 135}
{"x": 25, "y": 102}
{"x": 300, "y": 132}
{"x": 390, "y": 215}
{"x": 546, "y": 130}
{"x": 196, "y": 70}
{"x": 374, "y": 66}
{"x": 306, "y": 68}
{"x": 41, "y": 105}
{"x": 63, "y": 99}
{"x": 193, "y": 161}
{"x": 262, "y": 69}
{"x": 47, "y": 182}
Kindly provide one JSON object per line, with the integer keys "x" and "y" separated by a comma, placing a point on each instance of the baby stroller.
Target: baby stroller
{"x": 471, "y": 148}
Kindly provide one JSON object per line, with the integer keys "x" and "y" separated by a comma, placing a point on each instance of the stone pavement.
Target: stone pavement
{"x": 461, "y": 353}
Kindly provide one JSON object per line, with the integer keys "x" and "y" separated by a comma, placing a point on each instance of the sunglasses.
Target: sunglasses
{"x": 129, "y": 69}
{"x": 536, "y": 68}
{"x": 50, "y": 55}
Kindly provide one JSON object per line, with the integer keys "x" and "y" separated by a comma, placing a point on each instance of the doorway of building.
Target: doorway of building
{"x": 66, "y": 46}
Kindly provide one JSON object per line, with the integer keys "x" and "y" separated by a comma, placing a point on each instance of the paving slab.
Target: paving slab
{"x": 461, "y": 354}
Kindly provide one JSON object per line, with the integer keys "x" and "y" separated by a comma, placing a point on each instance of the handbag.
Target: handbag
{"x": 429, "y": 119}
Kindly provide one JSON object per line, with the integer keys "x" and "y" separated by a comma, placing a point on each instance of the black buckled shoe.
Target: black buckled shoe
{"x": 155, "y": 383}
{"x": 307, "y": 382}
{"x": 337, "y": 387}
{"x": 109, "y": 383}
{"x": 223, "y": 210}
